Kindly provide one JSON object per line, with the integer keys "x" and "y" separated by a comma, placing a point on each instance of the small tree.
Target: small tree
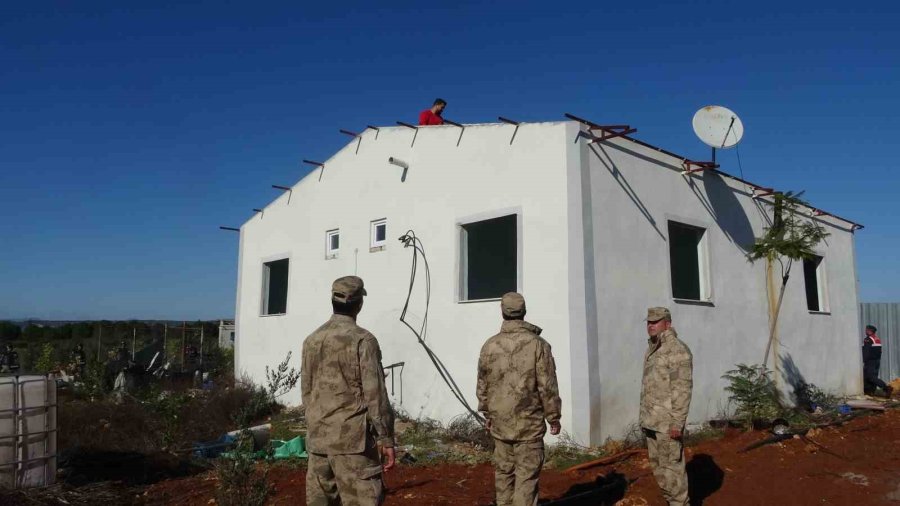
{"x": 45, "y": 362}
{"x": 790, "y": 237}
{"x": 752, "y": 390}
{"x": 282, "y": 379}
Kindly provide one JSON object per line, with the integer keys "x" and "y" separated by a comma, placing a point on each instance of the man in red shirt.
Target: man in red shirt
{"x": 433, "y": 116}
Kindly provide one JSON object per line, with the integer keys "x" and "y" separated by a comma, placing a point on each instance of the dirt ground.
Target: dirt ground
{"x": 857, "y": 463}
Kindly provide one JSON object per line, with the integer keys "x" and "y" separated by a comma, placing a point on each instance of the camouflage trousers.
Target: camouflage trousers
{"x": 345, "y": 480}
{"x": 517, "y": 467}
{"x": 667, "y": 460}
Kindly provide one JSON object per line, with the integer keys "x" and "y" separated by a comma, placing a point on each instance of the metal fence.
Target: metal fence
{"x": 885, "y": 316}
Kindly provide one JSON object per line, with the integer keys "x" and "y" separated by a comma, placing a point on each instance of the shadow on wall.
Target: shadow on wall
{"x": 800, "y": 388}
{"x": 608, "y": 163}
{"x": 725, "y": 208}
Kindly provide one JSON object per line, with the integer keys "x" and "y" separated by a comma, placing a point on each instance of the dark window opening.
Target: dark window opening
{"x": 380, "y": 232}
{"x": 811, "y": 280}
{"x": 490, "y": 258}
{"x": 276, "y": 287}
{"x": 684, "y": 259}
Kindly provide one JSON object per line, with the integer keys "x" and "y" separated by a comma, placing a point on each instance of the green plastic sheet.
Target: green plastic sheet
{"x": 291, "y": 448}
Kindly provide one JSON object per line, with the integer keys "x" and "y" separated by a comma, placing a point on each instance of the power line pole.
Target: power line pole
{"x": 165, "y": 343}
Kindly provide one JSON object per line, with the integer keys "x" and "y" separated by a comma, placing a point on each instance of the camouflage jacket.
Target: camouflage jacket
{"x": 517, "y": 387}
{"x": 342, "y": 383}
{"x": 666, "y": 387}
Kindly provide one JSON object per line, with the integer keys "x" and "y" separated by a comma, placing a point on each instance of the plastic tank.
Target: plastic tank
{"x": 27, "y": 430}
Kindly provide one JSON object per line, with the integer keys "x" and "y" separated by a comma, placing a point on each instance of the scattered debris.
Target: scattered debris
{"x": 605, "y": 460}
{"x": 856, "y": 479}
{"x": 866, "y": 404}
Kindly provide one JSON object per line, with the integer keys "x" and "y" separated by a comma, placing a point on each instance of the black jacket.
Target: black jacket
{"x": 870, "y": 352}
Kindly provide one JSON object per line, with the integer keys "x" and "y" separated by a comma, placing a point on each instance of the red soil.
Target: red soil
{"x": 858, "y": 463}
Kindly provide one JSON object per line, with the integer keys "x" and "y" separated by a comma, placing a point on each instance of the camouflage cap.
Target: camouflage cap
{"x": 658, "y": 313}
{"x": 347, "y": 288}
{"x": 512, "y": 304}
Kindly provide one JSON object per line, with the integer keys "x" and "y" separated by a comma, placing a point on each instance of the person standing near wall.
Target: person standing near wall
{"x": 871, "y": 352}
{"x": 347, "y": 408}
{"x": 517, "y": 391}
{"x": 432, "y": 116}
{"x": 665, "y": 399}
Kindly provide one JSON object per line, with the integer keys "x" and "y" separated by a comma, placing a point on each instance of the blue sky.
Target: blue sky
{"x": 129, "y": 132}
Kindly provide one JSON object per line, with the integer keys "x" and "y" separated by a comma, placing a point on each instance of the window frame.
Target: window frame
{"x": 821, "y": 286}
{"x": 461, "y": 286}
{"x": 704, "y": 261}
{"x": 329, "y": 251}
{"x": 374, "y": 243}
{"x": 266, "y": 284}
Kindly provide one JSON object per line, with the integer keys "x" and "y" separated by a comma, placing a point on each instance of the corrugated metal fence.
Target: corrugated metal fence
{"x": 885, "y": 316}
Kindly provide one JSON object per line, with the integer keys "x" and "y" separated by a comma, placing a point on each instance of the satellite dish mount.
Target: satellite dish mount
{"x": 718, "y": 127}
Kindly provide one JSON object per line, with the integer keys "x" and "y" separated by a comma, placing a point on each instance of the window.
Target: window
{"x": 378, "y": 235}
{"x": 332, "y": 243}
{"x": 687, "y": 260}
{"x": 489, "y": 258}
{"x": 275, "y": 287}
{"x": 813, "y": 277}
{"x": 232, "y": 337}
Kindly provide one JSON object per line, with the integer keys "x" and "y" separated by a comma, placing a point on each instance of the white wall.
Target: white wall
{"x": 635, "y": 190}
{"x": 594, "y": 256}
{"x": 445, "y": 183}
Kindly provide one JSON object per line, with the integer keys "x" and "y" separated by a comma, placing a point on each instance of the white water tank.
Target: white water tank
{"x": 27, "y": 430}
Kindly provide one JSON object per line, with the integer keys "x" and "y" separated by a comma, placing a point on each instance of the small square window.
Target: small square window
{"x": 814, "y": 280}
{"x": 332, "y": 243}
{"x": 378, "y": 234}
{"x": 688, "y": 262}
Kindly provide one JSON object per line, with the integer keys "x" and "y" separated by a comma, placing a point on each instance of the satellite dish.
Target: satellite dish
{"x": 718, "y": 127}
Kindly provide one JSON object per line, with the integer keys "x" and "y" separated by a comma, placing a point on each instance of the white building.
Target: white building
{"x": 226, "y": 334}
{"x": 592, "y": 233}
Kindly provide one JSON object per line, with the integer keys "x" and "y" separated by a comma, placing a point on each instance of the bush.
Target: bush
{"x": 45, "y": 362}
{"x": 754, "y": 393}
{"x": 240, "y": 482}
{"x": 466, "y": 429}
{"x": 808, "y": 394}
{"x": 567, "y": 452}
{"x": 93, "y": 382}
{"x": 259, "y": 405}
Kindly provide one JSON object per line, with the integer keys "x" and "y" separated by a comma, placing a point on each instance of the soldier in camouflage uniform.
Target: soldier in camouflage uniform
{"x": 665, "y": 399}
{"x": 517, "y": 391}
{"x": 347, "y": 409}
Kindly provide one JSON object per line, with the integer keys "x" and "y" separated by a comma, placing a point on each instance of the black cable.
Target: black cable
{"x": 737, "y": 151}
{"x": 409, "y": 239}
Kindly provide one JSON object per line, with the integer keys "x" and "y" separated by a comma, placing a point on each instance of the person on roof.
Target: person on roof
{"x": 433, "y": 116}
